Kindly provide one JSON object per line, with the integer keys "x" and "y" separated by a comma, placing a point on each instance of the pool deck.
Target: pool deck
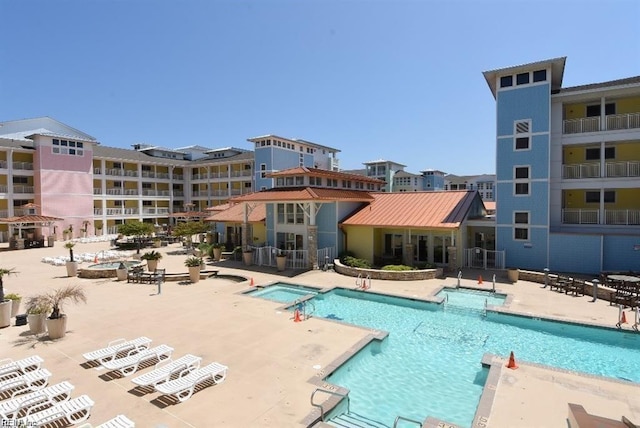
{"x": 270, "y": 358}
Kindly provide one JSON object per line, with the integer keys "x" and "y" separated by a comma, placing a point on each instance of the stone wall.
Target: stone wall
{"x": 405, "y": 275}
{"x": 604, "y": 293}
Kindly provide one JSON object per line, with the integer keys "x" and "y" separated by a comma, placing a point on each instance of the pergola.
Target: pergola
{"x": 29, "y": 222}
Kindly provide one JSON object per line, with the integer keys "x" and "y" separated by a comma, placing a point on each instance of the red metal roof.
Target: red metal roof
{"x": 415, "y": 209}
{"x": 316, "y": 172}
{"x": 216, "y": 208}
{"x": 305, "y": 194}
{"x": 190, "y": 214}
{"x": 235, "y": 214}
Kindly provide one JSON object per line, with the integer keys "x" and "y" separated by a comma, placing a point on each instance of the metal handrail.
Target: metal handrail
{"x": 399, "y": 418}
{"x": 339, "y": 394}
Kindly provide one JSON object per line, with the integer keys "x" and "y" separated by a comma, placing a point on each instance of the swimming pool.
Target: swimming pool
{"x": 429, "y": 365}
{"x": 283, "y": 292}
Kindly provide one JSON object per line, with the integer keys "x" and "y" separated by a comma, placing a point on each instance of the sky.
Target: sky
{"x": 376, "y": 79}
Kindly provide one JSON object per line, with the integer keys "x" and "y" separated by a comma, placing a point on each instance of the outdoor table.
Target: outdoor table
{"x": 625, "y": 278}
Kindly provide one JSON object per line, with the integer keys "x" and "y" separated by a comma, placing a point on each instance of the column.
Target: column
{"x": 407, "y": 255}
{"x": 312, "y": 245}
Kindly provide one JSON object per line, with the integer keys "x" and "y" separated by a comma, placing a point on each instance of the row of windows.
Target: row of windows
{"x": 524, "y": 78}
{"x": 318, "y": 181}
{"x": 289, "y": 214}
{"x": 285, "y": 145}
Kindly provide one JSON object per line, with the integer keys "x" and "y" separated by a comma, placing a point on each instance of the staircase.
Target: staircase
{"x": 354, "y": 420}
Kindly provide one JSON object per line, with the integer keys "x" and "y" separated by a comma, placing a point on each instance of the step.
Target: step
{"x": 354, "y": 420}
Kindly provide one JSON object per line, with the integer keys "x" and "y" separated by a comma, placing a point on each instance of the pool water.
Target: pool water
{"x": 113, "y": 265}
{"x": 469, "y": 298}
{"x": 429, "y": 365}
{"x": 284, "y": 293}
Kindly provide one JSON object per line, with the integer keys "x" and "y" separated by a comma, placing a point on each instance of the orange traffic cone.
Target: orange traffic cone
{"x": 512, "y": 362}
{"x": 252, "y": 283}
{"x": 296, "y": 316}
{"x": 623, "y": 318}
{"x": 479, "y": 279}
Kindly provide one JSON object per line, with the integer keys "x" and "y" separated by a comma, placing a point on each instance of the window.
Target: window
{"x": 299, "y": 181}
{"x": 117, "y": 165}
{"x": 593, "y": 196}
{"x": 521, "y": 234}
{"x": 263, "y": 170}
{"x": 594, "y": 110}
{"x": 522, "y": 78}
{"x": 288, "y": 181}
{"x": 521, "y": 218}
{"x": 279, "y": 181}
{"x": 60, "y": 147}
{"x": 20, "y": 180}
{"x": 289, "y": 214}
{"x": 506, "y": 81}
{"x": 522, "y": 143}
{"x": 522, "y": 172}
{"x": 594, "y": 153}
{"x": 540, "y": 76}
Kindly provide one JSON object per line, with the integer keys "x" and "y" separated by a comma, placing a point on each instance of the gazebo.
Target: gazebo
{"x": 26, "y": 231}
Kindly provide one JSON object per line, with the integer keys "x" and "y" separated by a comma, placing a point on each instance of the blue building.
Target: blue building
{"x": 567, "y": 170}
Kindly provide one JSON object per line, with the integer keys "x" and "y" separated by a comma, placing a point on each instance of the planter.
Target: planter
{"x": 157, "y": 243}
{"x": 152, "y": 265}
{"x": 15, "y": 307}
{"x": 57, "y": 328}
{"x": 5, "y": 313}
{"x": 247, "y": 257}
{"x": 51, "y": 240}
{"x": 217, "y": 254}
{"x": 122, "y": 272}
{"x": 194, "y": 273}
{"x": 281, "y": 262}
{"x": 72, "y": 269}
{"x": 36, "y": 323}
{"x": 513, "y": 275}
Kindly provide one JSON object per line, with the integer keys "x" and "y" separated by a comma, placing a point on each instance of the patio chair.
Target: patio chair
{"x": 29, "y": 381}
{"x": 128, "y": 365}
{"x": 183, "y": 387}
{"x": 117, "y": 346}
{"x": 75, "y": 410}
{"x": 120, "y": 421}
{"x": 135, "y": 274}
{"x": 10, "y": 368}
{"x": 10, "y": 409}
{"x": 167, "y": 368}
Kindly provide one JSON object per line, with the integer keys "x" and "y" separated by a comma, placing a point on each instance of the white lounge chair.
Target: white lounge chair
{"x": 129, "y": 364}
{"x": 10, "y": 409}
{"x": 75, "y": 410}
{"x": 117, "y": 346}
{"x": 183, "y": 387}
{"x": 10, "y": 368}
{"x": 120, "y": 421}
{"x": 167, "y": 368}
{"x": 30, "y": 381}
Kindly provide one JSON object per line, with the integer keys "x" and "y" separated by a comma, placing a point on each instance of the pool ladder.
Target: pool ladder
{"x": 302, "y": 304}
{"x": 361, "y": 283}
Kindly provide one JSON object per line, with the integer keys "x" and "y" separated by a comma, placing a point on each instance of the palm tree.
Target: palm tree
{"x": 55, "y": 299}
{"x": 4, "y": 272}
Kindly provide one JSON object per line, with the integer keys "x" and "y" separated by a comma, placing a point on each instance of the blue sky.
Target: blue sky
{"x": 398, "y": 80}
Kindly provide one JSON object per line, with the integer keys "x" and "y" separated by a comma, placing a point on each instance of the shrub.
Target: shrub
{"x": 357, "y": 263}
{"x": 344, "y": 254}
{"x": 397, "y": 267}
{"x": 193, "y": 261}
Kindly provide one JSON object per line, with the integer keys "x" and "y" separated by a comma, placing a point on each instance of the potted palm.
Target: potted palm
{"x": 281, "y": 260}
{"x": 15, "y": 303}
{"x": 193, "y": 263}
{"x": 5, "y": 303}
{"x": 216, "y": 250}
{"x": 72, "y": 265}
{"x": 36, "y": 315}
{"x": 152, "y": 258}
{"x": 55, "y": 300}
{"x": 98, "y": 226}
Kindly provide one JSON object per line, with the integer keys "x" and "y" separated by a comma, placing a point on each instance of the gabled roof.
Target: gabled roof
{"x": 235, "y": 214}
{"x": 30, "y": 219}
{"x": 556, "y": 65}
{"x": 415, "y": 209}
{"x": 305, "y": 194}
{"x": 317, "y": 172}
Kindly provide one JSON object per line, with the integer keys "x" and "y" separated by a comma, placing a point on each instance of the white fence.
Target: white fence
{"x": 296, "y": 259}
{"x": 479, "y": 258}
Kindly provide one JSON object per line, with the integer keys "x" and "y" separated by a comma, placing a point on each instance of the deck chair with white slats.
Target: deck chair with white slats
{"x": 10, "y": 409}
{"x": 129, "y": 364}
{"x": 10, "y": 368}
{"x": 167, "y": 368}
{"x": 120, "y": 421}
{"x": 75, "y": 410}
{"x": 183, "y": 387}
{"x": 117, "y": 346}
{"x": 28, "y": 382}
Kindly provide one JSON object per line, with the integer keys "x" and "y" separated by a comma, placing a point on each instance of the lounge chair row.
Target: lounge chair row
{"x": 34, "y": 402}
{"x": 177, "y": 377}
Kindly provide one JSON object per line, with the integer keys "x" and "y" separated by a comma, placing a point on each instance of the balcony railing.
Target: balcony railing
{"x": 611, "y": 217}
{"x": 4, "y": 213}
{"x": 592, "y": 124}
{"x": 581, "y": 170}
{"x": 97, "y": 171}
{"x": 113, "y": 171}
{"x": 23, "y": 165}
{"x": 162, "y": 175}
{"x": 4, "y": 188}
{"x": 122, "y": 211}
{"x": 22, "y": 189}
{"x": 149, "y": 192}
{"x": 114, "y": 191}
{"x": 97, "y": 191}
{"x": 178, "y": 177}
{"x": 178, "y": 193}
{"x": 155, "y": 211}
{"x": 130, "y": 173}
{"x": 148, "y": 174}
{"x": 3, "y": 164}
{"x": 623, "y": 169}
{"x": 624, "y": 217}
{"x": 97, "y": 211}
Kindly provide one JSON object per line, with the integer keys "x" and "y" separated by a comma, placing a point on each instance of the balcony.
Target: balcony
{"x": 22, "y": 189}
{"x": 148, "y": 174}
{"x": 592, "y": 170}
{"x": 121, "y": 211}
{"x": 130, "y": 173}
{"x": 592, "y": 124}
{"x": 155, "y": 211}
{"x": 97, "y": 171}
{"x": 611, "y": 217}
{"x": 3, "y": 164}
{"x": 97, "y": 211}
{"x": 97, "y": 191}
{"x": 4, "y": 213}
{"x": 178, "y": 177}
{"x": 4, "y": 188}
{"x": 149, "y": 192}
{"x": 178, "y": 193}
{"x": 23, "y": 165}
{"x": 114, "y": 191}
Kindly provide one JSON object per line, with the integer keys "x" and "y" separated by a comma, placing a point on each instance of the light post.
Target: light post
{"x": 546, "y": 277}
{"x": 595, "y": 289}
